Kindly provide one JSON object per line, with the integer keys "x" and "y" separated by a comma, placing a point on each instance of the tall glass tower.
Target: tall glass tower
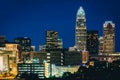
{"x": 81, "y": 33}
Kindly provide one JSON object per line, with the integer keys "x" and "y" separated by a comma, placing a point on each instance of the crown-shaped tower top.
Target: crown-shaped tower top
{"x": 81, "y": 12}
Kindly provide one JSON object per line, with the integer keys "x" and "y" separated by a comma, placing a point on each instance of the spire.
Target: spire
{"x": 81, "y": 12}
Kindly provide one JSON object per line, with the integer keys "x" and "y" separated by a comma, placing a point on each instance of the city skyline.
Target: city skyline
{"x": 32, "y": 19}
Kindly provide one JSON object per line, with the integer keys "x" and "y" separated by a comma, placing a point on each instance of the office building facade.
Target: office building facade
{"x": 25, "y": 43}
{"x": 92, "y": 42}
{"x": 81, "y": 33}
{"x": 31, "y": 68}
{"x": 59, "y": 57}
{"x": 109, "y": 37}
{"x": 101, "y": 46}
{"x": 51, "y": 39}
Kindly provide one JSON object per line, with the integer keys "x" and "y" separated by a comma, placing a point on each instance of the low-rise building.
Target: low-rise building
{"x": 31, "y": 68}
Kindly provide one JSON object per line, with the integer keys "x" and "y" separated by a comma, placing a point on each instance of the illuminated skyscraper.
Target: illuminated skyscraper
{"x": 51, "y": 39}
{"x": 25, "y": 42}
{"x": 101, "y": 47}
{"x": 80, "y": 36}
{"x": 109, "y": 37}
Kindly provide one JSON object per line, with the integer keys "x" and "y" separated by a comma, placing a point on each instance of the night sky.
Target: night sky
{"x": 31, "y": 18}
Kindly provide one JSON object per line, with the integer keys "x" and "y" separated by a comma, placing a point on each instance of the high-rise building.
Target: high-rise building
{"x": 80, "y": 36}
{"x": 92, "y": 42}
{"x": 25, "y": 42}
{"x": 109, "y": 37}
{"x": 52, "y": 41}
{"x": 101, "y": 42}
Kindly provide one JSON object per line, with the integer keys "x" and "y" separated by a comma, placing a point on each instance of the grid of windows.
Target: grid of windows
{"x": 34, "y": 68}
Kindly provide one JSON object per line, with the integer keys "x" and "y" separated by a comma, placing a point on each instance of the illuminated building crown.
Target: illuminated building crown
{"x": 81, "y": 12}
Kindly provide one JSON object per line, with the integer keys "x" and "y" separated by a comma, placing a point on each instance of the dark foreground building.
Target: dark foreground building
{"x": 59, "y": 57}
{"x": 92, "y": 42}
